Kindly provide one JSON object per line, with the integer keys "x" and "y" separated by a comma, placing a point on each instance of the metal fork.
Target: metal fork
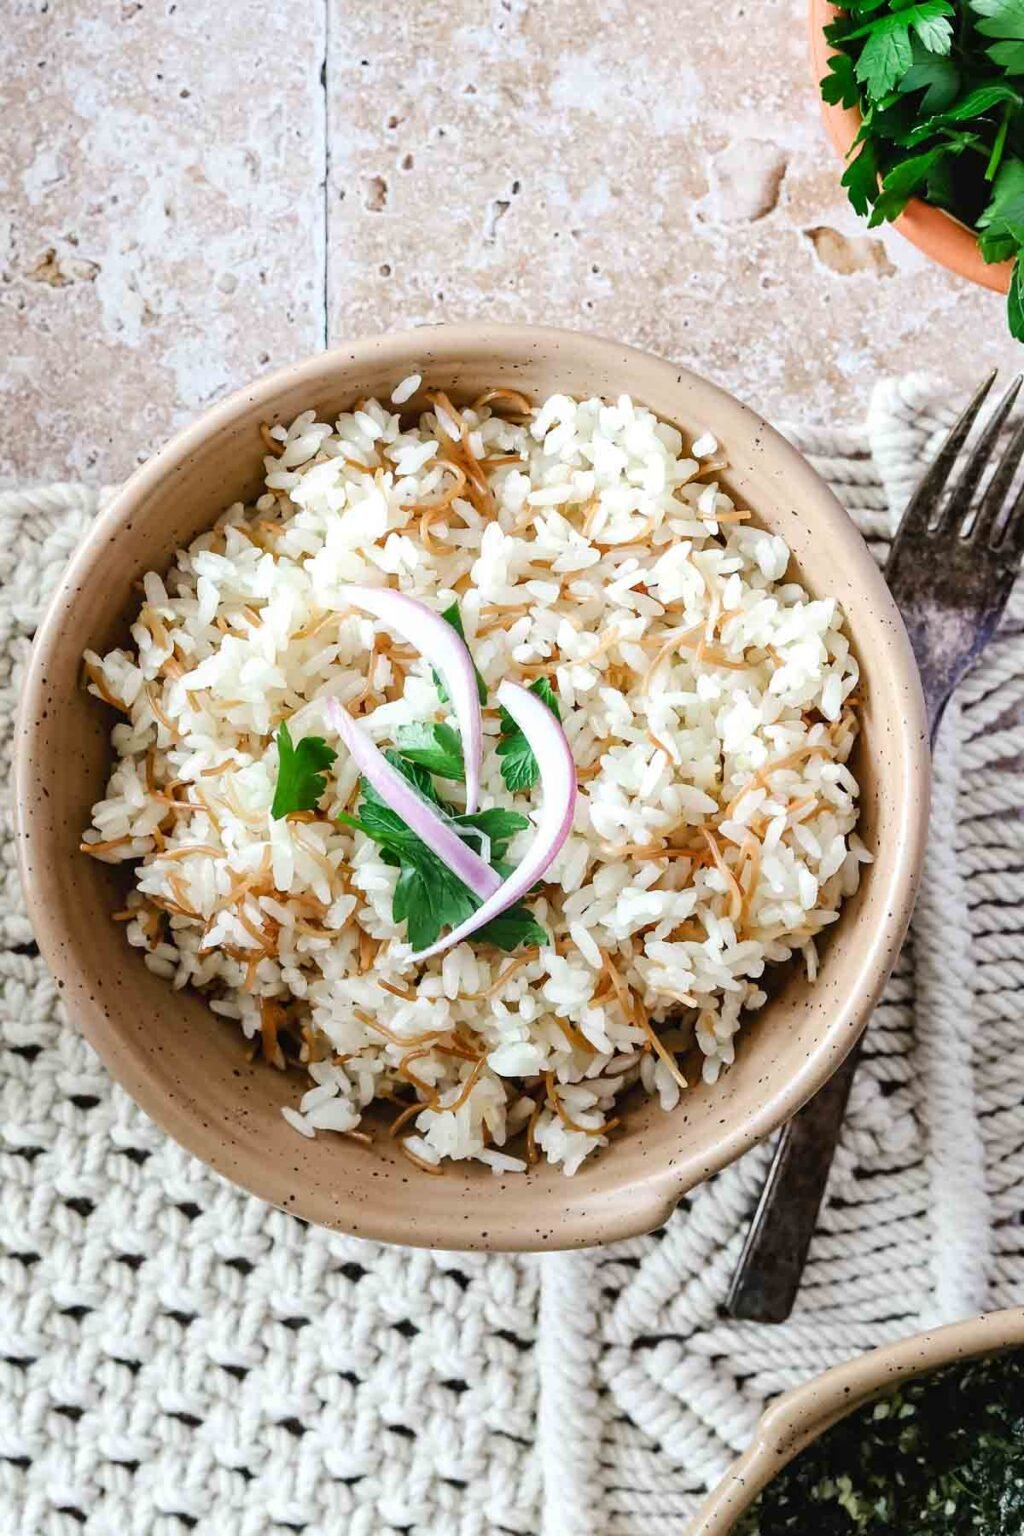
{"x": 951, "y": 570}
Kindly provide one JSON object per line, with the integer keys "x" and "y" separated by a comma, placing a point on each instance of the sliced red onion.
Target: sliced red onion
{"x": 446, "y": 650}
{"x": 419, "y": 816}
{"x": 548, "y": 742}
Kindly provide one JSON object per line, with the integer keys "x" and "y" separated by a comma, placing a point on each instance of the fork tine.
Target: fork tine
{"x": 994, "y": 499}
{"x": 925, "y": 499}
{"x": 961, "y": 495}
{"x": 1011, "y": 541}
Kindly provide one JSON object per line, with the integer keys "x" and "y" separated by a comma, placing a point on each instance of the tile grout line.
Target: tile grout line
{"x": 325, "y": 125}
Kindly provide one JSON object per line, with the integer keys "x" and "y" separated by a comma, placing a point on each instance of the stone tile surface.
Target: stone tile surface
{"x": 653, "y": 172}
{"x": 161, "y": 219}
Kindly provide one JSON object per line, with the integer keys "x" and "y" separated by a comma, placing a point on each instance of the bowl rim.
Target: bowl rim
{"x": 652, "y": 1197}
{"x": 932, "y": 230}
{"x": 796, "y": 1419}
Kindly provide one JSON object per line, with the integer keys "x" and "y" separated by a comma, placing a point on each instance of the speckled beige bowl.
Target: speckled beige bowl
{"x": 189, "y": 1070}
{"x": 796, "y": 1419}
{"x": 941, "y": 237}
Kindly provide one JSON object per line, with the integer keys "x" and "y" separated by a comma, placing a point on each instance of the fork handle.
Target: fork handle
{"x": 767, "y": 1277}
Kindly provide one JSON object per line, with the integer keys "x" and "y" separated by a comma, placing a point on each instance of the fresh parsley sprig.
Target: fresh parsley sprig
{"x": 429, "y": 897}
{"x": 434, "y": 746}
{"x": 940, "y": 87}
{"x": 301, "y": 772}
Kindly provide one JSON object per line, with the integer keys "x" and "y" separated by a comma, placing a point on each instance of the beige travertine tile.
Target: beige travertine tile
{"x": 161, "y": 223}
{"x": 652, "y": 171}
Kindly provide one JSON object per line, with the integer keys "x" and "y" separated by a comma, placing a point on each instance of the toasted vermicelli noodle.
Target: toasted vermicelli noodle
{"x": 709, "y": 702}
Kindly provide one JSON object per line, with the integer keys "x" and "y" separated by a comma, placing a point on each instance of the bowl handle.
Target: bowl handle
{"x": 792, "y": 1421}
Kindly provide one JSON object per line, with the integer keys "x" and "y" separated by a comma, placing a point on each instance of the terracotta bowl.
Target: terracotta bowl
{"x": 189, "y": 1071}
{"x": 795, "y": 1420}
{"x": 933, "y": 231}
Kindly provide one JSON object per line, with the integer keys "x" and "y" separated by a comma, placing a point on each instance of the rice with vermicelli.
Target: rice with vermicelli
{"x": 708, "y": 700}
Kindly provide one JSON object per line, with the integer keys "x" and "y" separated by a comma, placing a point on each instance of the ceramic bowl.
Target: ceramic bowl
{"x": 795, "y": 1420}
{"x": 935, "y": 232}
{"x": 189, "y": 1070}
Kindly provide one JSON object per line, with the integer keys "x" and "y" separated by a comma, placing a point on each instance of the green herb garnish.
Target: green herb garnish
{"x": 887, "y": 51}
{"x": 429, "y": 897}
{"x": 942, "y": 1455}
{"x": 518, "y": 765}
{"x": 940, "y": 87}
{"x": 301, "y": 770}
{"x": 433, "y": 746}
{"x": 452, "y": 616}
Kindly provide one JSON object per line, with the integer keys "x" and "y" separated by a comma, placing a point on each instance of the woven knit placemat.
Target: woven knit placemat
{"x": 175, "y": 1356}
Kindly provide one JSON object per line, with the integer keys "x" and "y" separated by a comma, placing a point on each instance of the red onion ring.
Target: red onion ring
{"x": 446, "y": 650}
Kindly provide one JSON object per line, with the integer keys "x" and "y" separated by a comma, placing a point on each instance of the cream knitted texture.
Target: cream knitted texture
{"x": 174, "y": 1356}
{"x": 944, "y": 976}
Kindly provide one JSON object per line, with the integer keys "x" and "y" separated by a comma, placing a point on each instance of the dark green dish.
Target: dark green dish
{"x": 939, "y": 1455}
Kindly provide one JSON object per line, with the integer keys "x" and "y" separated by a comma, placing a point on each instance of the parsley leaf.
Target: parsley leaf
{"x": 938, "y": 77}
{"x": 511, "y": 928}
{"x": 940, "y": 188}
{"x": 452, "y": 616}
{"x": 428, "y": 897}
{"x": 900, "y": 184}
{"x": 497, "y": 824}
{"x": 518, "y": 765}
{"x": 1002, "y": 222}
{"x": 928, "y": 18}
{"x": 1015, "y": 301}
{"x": 978, "y": 101}
{"x": 884, "y": 58}
{"x": 1003, "y": 19}
{"x": 861, "y": 178}
{"x": 933, "y": 26}
{"x": 974, "y": 104}
{"x": 490, "y": 833}
{"x": 433, "y": 746}
{"x": 888, "y": 51}
{"x": 301, "y": 772}
{"x": 839, "y": 86}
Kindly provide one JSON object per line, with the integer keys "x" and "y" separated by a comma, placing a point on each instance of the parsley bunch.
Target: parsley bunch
{"x": 940, "y": 87}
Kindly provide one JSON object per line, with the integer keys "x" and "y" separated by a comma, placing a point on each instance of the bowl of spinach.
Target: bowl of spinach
{"x": 925, "y": 1437}
{"x": 925, "y": 100}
